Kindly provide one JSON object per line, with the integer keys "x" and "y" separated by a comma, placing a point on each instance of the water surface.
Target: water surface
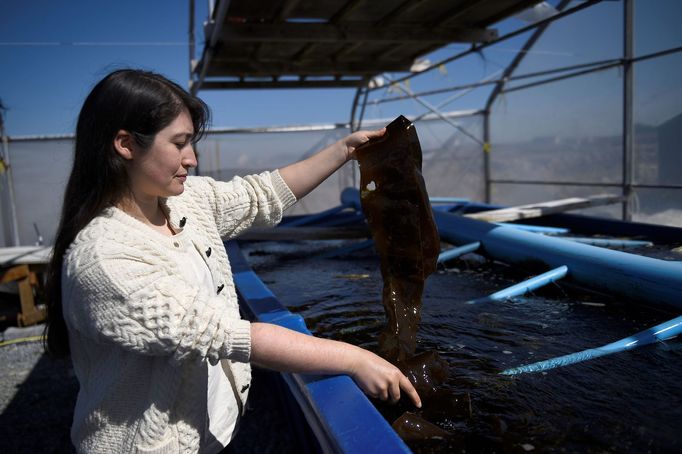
{"x": 627, "y": 402}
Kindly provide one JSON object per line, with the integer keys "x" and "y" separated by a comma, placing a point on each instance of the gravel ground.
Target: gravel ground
{"x": 38, "y": 394}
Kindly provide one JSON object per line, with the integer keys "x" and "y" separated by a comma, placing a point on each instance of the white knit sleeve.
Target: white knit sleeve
{"x": 143, "y": 308}
{"x": 254, "y": 200}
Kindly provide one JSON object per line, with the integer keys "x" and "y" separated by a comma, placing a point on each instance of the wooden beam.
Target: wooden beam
{"x": 304, "y": 233}
{"x": 400, "y": 10}
{"x": 26, "y": 280}
{"x": 536, "y": 210}
{"x": 18, "y": 255}
{"x": 285, "y": 9}
{"x": 350, "y": 33}
{"x": 459, "y": 11}
{"x": 345, "y": 11}
{"x": 252, "y": 84}
{"x": 310, "y": 67}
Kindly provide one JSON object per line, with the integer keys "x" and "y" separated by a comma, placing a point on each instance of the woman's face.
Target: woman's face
{"x": 161, "y": 170}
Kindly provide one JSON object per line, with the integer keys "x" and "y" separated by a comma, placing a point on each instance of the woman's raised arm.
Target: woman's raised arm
{"x": 304, "y": 176}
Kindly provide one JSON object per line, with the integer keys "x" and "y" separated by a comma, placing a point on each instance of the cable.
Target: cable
{"x": 22, "y": 339}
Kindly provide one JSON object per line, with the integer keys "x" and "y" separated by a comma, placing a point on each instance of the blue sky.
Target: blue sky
{"x": 53, "y": 51}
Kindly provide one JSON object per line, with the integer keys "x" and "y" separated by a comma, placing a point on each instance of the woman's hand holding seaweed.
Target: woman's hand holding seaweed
{"x": 359, "y": 138}
{"x": 380, "y": 379}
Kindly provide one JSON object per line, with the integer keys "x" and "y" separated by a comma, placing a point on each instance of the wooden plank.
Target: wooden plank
{"x": 286, "y": 32}
{"x": 257, "y": 84}
{"x": 15, "y": 273}
{"x": 304, "y": 233}
{"x": 26, "y": 280}
{"x": 536, "y": 210}
{"x": 29, "y": 255}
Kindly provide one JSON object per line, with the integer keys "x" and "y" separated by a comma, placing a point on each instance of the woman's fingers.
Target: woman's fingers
{"x": 375, "y": 133}
{"x": 380, "y": 379}
{"x": 394, "y": 389}
{"x": 383, "y": 393}
{"x": 407, "y": 386}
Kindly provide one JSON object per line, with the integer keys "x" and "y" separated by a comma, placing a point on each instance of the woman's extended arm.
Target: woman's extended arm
{"x": 303, "y": 176}
{"x": 285, "y": 350}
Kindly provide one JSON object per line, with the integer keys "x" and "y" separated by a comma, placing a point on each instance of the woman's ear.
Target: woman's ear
{"x": 123, "y": 144}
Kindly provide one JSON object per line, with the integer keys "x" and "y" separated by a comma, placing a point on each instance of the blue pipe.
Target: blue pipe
{"x": 340, "y": 415}
{"x": 526, "y": 286}
{"x": 658, "y": 333}
{"x": 448, "y": 200}
{"x": 457, "y": 251}
{"x": 536, "y": 228}
{"x": 648, "y": 280}
{"x": 605, "y": 242}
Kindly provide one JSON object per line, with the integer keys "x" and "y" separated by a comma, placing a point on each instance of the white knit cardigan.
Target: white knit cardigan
{"x": 140, "y": 334}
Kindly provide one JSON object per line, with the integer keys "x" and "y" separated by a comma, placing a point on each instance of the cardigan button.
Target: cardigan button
{"x": 208, "y": 252}
{"x": 220, "y": 288}
{"x": 245, "y": 387}
{"x": 183, "y": 221}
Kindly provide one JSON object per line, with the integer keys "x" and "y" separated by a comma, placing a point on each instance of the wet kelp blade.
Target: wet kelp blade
{"x": 395, "y": 202}
{"x": 411, "y": 427}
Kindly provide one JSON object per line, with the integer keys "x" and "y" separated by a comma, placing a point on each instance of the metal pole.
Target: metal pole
{"x": 356, "y": 127}
{"x": 191, "y": 39}
{"x": 10, "y": 184}
{"x": 628, "y": 107}
{"x": 217, "y": 24}
{"x": 486, "y": 155}
{"x": 351, "y": 123}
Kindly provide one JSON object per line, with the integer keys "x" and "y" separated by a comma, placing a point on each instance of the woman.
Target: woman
{"x": 140, "y": 288}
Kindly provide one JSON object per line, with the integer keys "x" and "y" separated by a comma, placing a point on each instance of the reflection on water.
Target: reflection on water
{"x": 628, "y": 402}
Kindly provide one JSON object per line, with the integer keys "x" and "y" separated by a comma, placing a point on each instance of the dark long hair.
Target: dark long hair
{"x": 136, "y": 101}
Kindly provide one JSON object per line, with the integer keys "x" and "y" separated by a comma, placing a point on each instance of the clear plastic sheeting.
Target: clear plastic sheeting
{"x": 224, "y": 155}
{"x": 452, "y": 162}
{"x": 593, "y": 34}
{"x": 568, "y": 131}
{"x": 40, "y": 170}
{"x": 660, "y": 15}
{"x": 658, "y": 121}
{"x": 657, "y": 206}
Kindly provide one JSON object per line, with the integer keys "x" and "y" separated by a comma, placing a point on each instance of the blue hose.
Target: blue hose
{"x": 658, "y": 333}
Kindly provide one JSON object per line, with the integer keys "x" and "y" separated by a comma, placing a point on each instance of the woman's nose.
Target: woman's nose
{"x": 190, "y": 158}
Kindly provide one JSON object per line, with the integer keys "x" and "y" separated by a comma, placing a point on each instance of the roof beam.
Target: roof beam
{"x": 312, "y": 67}
{"x": 350, "y": 33}
{"x": 459, "y": 11}
{"x": 250, "y": 84}
{"x": 400, "y": 10}
{"x": 345, "y": 11}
